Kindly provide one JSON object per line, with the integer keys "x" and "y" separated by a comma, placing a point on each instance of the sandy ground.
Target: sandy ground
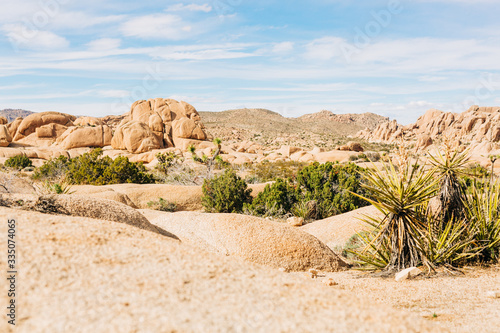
{"x": 459, "y": 303}
{"x": 83, "y": 275}
{"x": 86, "y": 275}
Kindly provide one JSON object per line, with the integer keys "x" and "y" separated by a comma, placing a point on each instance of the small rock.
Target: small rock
{"x": 493, "y": 294}
{"x": 407, "y": 273}
{"x": 329, "y": 282}
{"x": 314, "y": 273}
{"x": 295, "y": 221}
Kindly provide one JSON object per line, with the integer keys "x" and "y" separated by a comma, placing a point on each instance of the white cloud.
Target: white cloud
{"x": 191, "y": 7}
{"x": 430, "y": 78}
{"x": 306, "y": 87}
{"x": 114, "y": 93}
{"x": 81, "y": 20}
{"x": 157, "y": 26}
{"x": 325, "y": 48}
{"x": 283, "y": 47}
{"x": 104, "y": 44}
{"x": 23, "y": 37}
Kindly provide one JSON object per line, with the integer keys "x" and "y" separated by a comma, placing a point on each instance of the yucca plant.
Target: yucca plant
{"x": 482, "y": 209}
{"x": 446, "y": 244}
{"x": 396, "y": 193}
{"x": 451, "y": 195}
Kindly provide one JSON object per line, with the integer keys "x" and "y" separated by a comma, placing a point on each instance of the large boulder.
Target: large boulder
{"x": 5, "y": 137}
{"x": 13, "y": 126}
{"x": 423, "y": 141}
{"x": 35, "y": 120}
{"x": 77, "y": 137}
{"x": 251, "y": 238}
{"x": 169, "y": 120}
{"x": 187, "y": 128}
{"x": 87, "y": 121}
{"x": 135, "y": 137}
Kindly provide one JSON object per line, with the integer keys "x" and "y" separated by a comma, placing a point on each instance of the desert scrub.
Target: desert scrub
{"x": 93, "y": 169}
{"x": 269, "y": 171}
{"x": 277, "y": 198}
{"x": 51, "y": 187}
{"x": 226, "y": 193}
{"x": 162, "y": 205}
{"x": 332, "y": 186}
{"x": 18, "y": 162}
{"x": 464, "y": 229}
{"x": 483, "y": 213}
{"x": 53, "y": 169}
{"x": 214, "y": 161}
{"x": 166, "y": 161}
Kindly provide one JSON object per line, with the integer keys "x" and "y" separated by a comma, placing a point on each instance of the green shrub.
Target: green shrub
{"x": 93, "y": 169}
{"x": 332, "y": 187}
{"x": 53, "y": 169}
{"x": 18, "y": 162}
{"x": 279, "y": 196}
{"x": 163, "y": 205}
{"x": 226, "y": 193}
{"x": 166, "y": 161}
{"x": 269, "y": 171}
{"x": 373, "y": 156}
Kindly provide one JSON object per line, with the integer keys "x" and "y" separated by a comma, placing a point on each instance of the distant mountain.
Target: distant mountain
{"x": 270, "y": 127}
{"x": 12, "y": 114}
{"x": 368, "y": 120}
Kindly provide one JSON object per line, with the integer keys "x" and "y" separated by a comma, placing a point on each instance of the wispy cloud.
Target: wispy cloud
{"x": 23, "y": 37}
{"x": 104, "y": 44}
{"x": 157, "y": 26}
{"x": 190, "y": 7}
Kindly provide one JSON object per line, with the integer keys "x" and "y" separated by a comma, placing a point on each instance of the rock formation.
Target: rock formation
{"x": 44, "y": 124}
{"x": 135, "y": 137}
{"x": 476, "y": 125}
{"x": 168, "y": 123}
{"x": 5, "y": 137}
{"x": 153, "y": 124}
{"x": 78, "y": 137}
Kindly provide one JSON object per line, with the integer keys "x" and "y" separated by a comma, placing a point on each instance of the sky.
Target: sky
{"x": 396, "y": 58}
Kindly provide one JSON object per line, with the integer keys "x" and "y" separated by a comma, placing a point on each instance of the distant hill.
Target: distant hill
{"x": 12, "y": 114}
{"x": 268, "y": 127}
{"x": 365, "y": 120}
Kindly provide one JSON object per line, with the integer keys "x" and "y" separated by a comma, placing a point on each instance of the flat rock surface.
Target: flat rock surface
{"x": 83, "y": 275}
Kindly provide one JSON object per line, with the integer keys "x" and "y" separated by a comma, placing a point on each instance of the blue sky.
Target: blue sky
{"x": 394, "y": 58}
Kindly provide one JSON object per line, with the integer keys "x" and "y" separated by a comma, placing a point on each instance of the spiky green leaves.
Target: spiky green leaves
{"x": 396, "y": 194}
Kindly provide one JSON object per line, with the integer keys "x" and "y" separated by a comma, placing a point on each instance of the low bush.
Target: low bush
{"x": 18, "y": 162}
{"x": 93, "y": 169}
{"x": 226, "y": 193}
{"x": 53, "y": 169}
{"x": 279, "y": 196}
{"x": 269, "y": 171}
{"x": 166, "y": 161}
{"x": 162, "y": 205}
{"x": 332, "y": 186}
